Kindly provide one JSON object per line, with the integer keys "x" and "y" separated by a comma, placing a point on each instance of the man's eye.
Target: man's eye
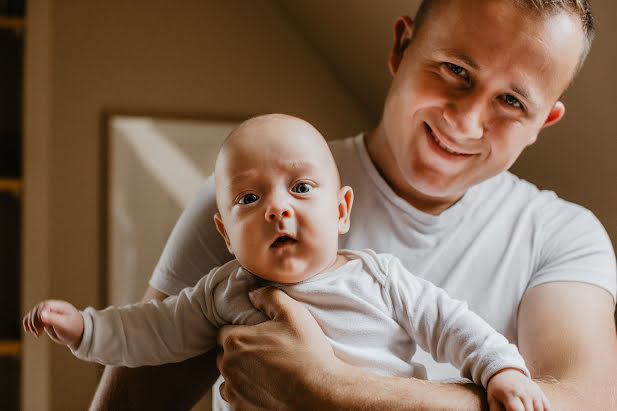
{"x": 458, "y": 70}
{"x": 301, "y": 188}
{"x": 249, "y": 198}
{"x": 512, "y": 101}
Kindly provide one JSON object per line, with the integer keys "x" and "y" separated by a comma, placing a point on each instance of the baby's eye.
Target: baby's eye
{"x": 302, "y": 188}
{"x": 249, "y": 198}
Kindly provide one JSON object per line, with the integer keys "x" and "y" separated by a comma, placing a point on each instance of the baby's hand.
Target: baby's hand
{"x": 512, "y": 390}
{"x": 61, "y": 320}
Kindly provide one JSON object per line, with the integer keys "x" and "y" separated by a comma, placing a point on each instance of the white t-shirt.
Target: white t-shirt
{"x": 502, "y": 238}
{"x": 372, "y": 310}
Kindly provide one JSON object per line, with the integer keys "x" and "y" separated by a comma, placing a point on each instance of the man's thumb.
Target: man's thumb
{"x": 273, "y": 302}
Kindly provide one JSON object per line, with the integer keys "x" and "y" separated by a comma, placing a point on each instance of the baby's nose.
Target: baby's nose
{"x": 277, "y": 211}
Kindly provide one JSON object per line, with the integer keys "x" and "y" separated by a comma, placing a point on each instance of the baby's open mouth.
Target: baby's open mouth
{"x": 283, "y": 241}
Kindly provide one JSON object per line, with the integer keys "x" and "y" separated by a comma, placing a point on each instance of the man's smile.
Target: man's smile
{"x": 445, "y": 146}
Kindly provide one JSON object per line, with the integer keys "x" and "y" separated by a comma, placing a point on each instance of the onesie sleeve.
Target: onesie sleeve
{"x": 152, "y": 333}
{"x": 194, "y": 246}
{"x": 573, "y": 246}
{"x": 447, "y": 329}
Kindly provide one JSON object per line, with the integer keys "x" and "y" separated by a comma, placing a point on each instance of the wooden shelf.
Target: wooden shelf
{"x": 12, "y": 185}
{"x": 14, "y": 23}
{"x": 10, "y": 348}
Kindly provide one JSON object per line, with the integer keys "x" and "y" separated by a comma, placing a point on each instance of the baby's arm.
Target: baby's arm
{"x": 60, "y": 320}
{"x": 451, "y": 332}
{"x": 152, "y": 333}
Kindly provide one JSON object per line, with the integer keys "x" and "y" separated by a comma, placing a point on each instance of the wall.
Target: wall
{"x": 191, "y": 56}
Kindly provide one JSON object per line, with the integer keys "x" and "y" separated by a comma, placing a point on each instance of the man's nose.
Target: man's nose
{"x": 277, "y": 209}
{"x": 464, "y": 115}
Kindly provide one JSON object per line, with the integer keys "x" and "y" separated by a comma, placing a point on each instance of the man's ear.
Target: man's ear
{"x": 345, "y": 200}
{"x": 403, "y": 31}
{"x": 556, "y": 114}
{"x": 220, "y": 227}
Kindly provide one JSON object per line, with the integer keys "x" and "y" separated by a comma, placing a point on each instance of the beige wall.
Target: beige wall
{"x": 194, "y": 56}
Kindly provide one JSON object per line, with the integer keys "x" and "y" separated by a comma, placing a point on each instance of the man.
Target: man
{"x": 473, "y": 84}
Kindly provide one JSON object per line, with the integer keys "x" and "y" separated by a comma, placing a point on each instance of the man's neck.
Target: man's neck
{"x": 380, "y": 153}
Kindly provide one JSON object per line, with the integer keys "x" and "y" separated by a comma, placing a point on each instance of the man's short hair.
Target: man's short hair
{"x": 580, "y": 8}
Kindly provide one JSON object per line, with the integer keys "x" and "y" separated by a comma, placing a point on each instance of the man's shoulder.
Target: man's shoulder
{"x": 518, "y": 198}
{"x": 506, "y": 186}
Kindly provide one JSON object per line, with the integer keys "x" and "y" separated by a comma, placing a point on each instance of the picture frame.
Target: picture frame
{"x": 153, "y": 165}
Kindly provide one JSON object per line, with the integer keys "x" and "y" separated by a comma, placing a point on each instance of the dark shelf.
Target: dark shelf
{"x": 13, "y": 8}
{"x": 9, "y": 383}
{"x": 10, "y": 222}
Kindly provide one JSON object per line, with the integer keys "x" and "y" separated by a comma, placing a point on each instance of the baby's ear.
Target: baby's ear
{"x": 220, "y": 227}
{"x": 345, "y": 200}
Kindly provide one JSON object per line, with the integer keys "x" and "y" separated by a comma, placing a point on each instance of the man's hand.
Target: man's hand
{"x": 511, "y": 390}
{"x": 276, "y": 364}
{"x": 287, "y": 363}
{"x": 60, "y": 320}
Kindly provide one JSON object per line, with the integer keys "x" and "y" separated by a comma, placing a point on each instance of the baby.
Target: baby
{"x": 281, "y": 210}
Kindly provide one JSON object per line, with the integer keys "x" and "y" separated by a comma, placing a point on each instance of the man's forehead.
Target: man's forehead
{"x": 537, "y": 51}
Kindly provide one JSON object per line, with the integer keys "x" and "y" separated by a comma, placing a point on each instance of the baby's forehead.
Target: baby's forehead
{"x": 273, "y": 141}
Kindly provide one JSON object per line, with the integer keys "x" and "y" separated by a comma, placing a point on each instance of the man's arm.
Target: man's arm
{"x": 170, "y": 386}
{"x": 566, "y": 331}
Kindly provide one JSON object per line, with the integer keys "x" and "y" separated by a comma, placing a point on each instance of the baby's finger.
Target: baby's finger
{"x": 54, "y": 319}
{"x": 528, "y": 402}
{"x": 28, "y": 323}
{"x": 52, "y": 333}
{"x": 546, "y": 403}
{"x": 513, "y": 404}
{"x": 36, "y": 320}
{"x": 31, "y": 322}
{"x": 494, "y": 404}
{"x": 24, "y": 322}
{"x": 538, "y": 404}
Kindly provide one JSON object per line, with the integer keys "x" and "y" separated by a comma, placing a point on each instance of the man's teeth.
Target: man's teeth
{"x": 440, "y": 144}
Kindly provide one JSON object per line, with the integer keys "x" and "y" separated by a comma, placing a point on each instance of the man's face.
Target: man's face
{"x": 472, "y": 88}
{"x": 278, "y": 197}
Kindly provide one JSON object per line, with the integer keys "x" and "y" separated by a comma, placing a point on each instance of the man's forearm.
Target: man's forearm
{"x": 362, "y": 390}
{"x": 170, "y": 386}
{"x": 357, "y": 389}
{"x": 582, "y": 395}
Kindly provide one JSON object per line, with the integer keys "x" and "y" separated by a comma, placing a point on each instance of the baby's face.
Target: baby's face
{"x": 280, "y": 205}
